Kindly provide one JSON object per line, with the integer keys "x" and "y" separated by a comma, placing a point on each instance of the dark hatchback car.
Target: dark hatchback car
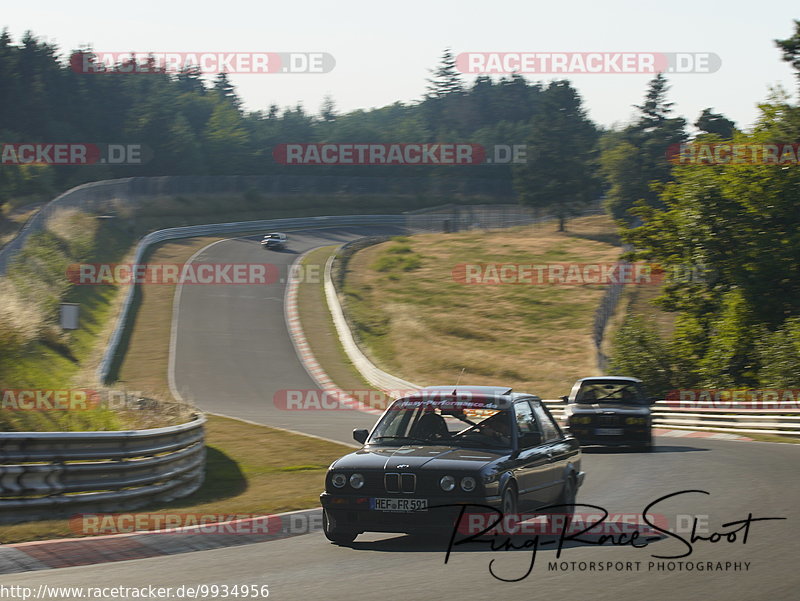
{"x": 442, "y": 446}
{"x": 610, "y": 410}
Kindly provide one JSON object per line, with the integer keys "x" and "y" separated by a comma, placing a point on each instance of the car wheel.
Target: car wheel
{"x": 334, "y": 534}
{"x": 565, "y": 508}
{"x": 509, "y": 500}
{"x": 568, "y": 495}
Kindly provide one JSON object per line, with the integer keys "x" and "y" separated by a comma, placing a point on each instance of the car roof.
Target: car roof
{"x": 476, "y": 391}
{"x": 604, "y": 378}
{"x": 488, "y": 390}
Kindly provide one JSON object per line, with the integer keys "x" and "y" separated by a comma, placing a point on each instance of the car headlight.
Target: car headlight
{"x": 356, "y": 480}
{"x": 635, "y": 420}
{"x": 339, "y": 480}
{"x": 468, "y": 484}
{"x": 447, "y": 483}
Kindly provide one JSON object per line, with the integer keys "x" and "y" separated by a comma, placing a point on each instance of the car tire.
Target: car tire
{"x": 569, "y": 493}
{"x": 334, "y": 534}
{"x": 564, "y": 506}
{"x": 510, "y": 503}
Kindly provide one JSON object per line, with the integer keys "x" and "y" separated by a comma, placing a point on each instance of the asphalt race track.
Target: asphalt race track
{"x": 234, "y": 353}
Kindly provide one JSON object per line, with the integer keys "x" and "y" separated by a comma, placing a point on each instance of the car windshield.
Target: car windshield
{"x": 619, "y": 392}
{"x": 467, "y": 425}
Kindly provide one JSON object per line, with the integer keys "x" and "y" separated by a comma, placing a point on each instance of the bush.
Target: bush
{"x": 639, "y": 351}
{"x": 397, "y": 263}
{"x": 779, "y": 356}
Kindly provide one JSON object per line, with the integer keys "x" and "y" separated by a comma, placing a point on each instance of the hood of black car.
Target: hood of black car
{"x": 415, "y": 457}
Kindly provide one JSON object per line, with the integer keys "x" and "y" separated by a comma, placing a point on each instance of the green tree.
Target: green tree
{"x": 446, "y": 80}
{"x": 226, "y": 91}
{"x": 741, "y": 223}
{"x": 226, "y": 141}
{"x": 790, "y": 47}
{"x": 559, "y": 175}
{"x": 652, "y": 135}
{"x": 715, "y": 123}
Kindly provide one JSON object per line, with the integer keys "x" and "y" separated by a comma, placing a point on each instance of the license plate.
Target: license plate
{"x": 608, "y": 431}
{"x": 399, "y": 504}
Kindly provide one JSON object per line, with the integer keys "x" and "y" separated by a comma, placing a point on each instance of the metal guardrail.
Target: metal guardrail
{"x": 735, "y": 421}
{"x": 604, "y": 313}
{"x": 111, "y": 195}
{"x": 48, "y": 474}
{"x": 372, "y": 373}
{"x": 94, "y": 196}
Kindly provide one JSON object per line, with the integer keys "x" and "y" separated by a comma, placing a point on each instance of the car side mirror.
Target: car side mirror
{"x": 565, "y": 399}
{"x": 360, "y": 435}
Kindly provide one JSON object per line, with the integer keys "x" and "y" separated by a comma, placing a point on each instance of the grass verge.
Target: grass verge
{"x": 417, "y": 322}
{"x": 146, "y": 356}
{"x": 320, "y": 331}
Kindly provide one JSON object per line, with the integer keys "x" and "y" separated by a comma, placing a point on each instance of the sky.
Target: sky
{"x": 384, "y": 51}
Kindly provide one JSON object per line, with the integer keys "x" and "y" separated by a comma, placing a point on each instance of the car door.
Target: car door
{"x": 556, "y": 450}
{"x": 533, "y": 471}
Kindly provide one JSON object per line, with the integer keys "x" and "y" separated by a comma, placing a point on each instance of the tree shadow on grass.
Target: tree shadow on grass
{"x": 604, "y": 237}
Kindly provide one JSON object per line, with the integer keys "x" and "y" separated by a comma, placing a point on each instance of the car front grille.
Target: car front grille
{"x": 406, "y": 483}
{"x": 608, "y": 420}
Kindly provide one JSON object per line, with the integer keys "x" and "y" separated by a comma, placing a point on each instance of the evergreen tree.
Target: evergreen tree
{"x": 446, "y": 79}
{"x": 559, "y": 173}
{"x": 226, "y": 91}
{"x": 715, "y": 123}
{"x": 650, "y": 136}
{"x": 791, "y": 49}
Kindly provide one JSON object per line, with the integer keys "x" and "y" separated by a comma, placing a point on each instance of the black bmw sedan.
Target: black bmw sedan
{"x": 610, "y": 411}
{"x": 442, "y": 449}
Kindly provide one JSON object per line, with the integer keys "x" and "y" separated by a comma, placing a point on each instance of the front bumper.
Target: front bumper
{"x": 630, "y": 436}
{"x": 353, "y": 512}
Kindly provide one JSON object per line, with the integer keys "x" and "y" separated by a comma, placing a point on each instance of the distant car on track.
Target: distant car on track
{"x": 443, "y": 445}
{"x": 275, "y": 240}
{"x": 609, "y": 410}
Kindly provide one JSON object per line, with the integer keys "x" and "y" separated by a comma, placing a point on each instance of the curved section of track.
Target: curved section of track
{"x": 232, "y": 350}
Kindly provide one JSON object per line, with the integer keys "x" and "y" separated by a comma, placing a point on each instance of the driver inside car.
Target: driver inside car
{"x": 497, "y": 427}
{"x": 430, "y": 426}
